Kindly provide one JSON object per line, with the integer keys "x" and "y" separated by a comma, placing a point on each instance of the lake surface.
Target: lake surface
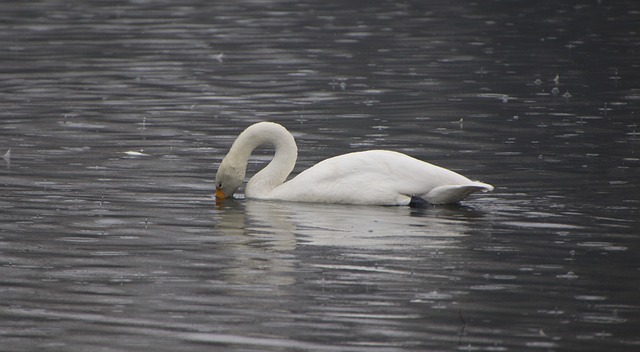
{"x": 116, "y": 115}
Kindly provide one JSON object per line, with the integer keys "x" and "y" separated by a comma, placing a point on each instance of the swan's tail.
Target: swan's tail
{"x": 454, "y": 193}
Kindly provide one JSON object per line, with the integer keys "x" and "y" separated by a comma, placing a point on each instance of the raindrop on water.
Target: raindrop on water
{"x": 569, "y": 276}
{"x": 7, "y": 155}
{"x": 7, "y": 158}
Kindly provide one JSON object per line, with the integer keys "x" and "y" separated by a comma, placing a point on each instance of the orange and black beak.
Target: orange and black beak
{"x": 220, "y": 196}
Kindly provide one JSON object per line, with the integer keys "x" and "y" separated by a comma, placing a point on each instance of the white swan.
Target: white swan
{"x": 375, "y": 177}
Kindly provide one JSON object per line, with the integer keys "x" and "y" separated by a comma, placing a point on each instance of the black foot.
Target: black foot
{"x": 417, "y": 202}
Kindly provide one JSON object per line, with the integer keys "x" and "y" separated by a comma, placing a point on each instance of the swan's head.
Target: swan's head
{"x": 228, "y": 179}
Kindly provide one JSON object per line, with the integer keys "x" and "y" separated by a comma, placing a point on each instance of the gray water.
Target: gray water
{"x": 116, "y": 115}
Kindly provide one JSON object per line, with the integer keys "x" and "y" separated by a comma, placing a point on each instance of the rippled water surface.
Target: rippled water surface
{"x": 115, "y": 115}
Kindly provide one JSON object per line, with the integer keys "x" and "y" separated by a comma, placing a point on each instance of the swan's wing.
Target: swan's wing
{"x": 355, "y": 178}
{"x": 454, "y": 193}
{"x": 371, "y": 177}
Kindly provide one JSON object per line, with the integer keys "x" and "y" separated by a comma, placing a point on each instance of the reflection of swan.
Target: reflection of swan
{"x": 287, "y": 225}
{"x": 376, "y": 177}
{"x": 256, "y": 250}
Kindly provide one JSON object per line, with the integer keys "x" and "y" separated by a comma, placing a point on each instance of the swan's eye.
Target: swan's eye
{"x": 219, "y": 185}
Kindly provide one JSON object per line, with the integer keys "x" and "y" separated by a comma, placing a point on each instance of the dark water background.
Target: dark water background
{"x": 102, "y": 249}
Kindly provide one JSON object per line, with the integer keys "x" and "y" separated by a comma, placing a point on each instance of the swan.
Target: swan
{"x": 374, "y": 177}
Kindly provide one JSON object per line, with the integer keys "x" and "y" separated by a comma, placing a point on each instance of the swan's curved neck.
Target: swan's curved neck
{"x": 276, "y": 172}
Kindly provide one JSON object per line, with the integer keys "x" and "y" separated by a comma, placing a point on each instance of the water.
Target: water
{"x": 118, "y": 113}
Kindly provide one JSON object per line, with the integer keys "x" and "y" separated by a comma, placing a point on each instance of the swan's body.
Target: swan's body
{"x": 375, "y": 177}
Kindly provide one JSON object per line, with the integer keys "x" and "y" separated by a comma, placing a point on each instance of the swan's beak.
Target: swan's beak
{"x": 219, "y": 195}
